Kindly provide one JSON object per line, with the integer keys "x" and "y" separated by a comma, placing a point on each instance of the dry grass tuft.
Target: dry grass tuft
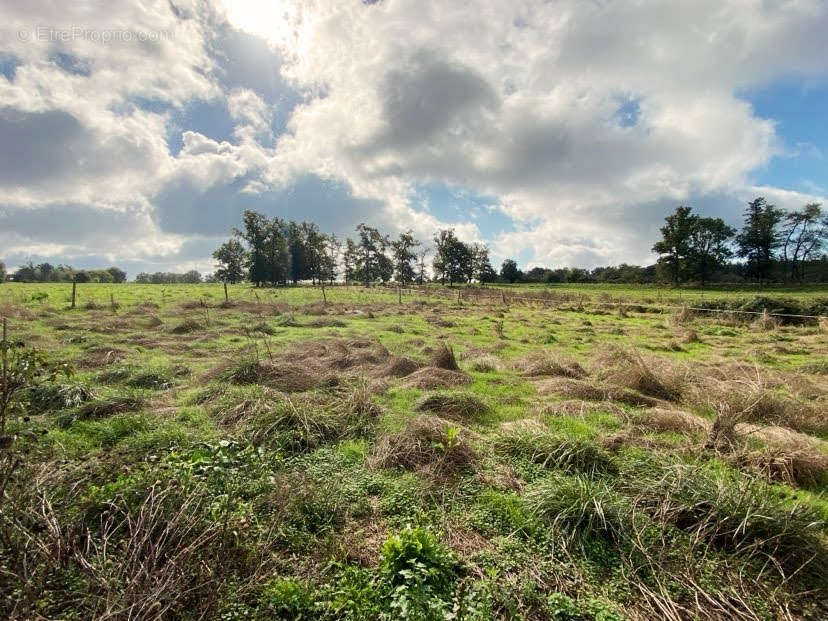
{"x": 283, "y": 377}
{"x": 577, "y": 408}
{"x": 677, "y": 421}
{"x": 787, "y": 456}
{"x": 15, "y": 311}
{"x": 628, "y": 369}
{"x": 429, "y": 443}
{"x": 398, "y": 366}
{"x": 456, "y": 406}
{"x": 443, "y": 358}
{"x": 680, "y": 317}
{"x": 538, "y": 364}
{"x": 486, "y": 363}
{"x": 590, "y": 391}
{"x": 755, "y": 399}
{"x": 766, "y": 321}
{"x": 690, "y": 336}
{"x": 432, "y": 378}
{"x": 187, "y": 326}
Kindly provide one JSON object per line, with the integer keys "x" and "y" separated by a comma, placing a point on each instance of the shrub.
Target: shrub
{"x": 58, "y": 396}
{"x": 418, "y": 572}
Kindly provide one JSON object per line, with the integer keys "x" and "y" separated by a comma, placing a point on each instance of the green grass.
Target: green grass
{"x": 518, "y": 502}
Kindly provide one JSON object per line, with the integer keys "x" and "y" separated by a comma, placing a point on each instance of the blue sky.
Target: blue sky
{"x": 799, "y": 109}
{"x": 557, "y": 133}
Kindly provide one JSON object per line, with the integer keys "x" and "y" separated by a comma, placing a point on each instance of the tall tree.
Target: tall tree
{"x": 333, "y": 248}
{"x": 709, "y": 246}
{"x": 350, "y": 261}
{"x": 674, "y": 246}
{"x": 372, "y": 245}
{"x": 277, "y": 253}
{"x": 481, "y": 265}
{"x": 118, "y": 275}
{"x": 403, "y": 256}
{"x": 804, "y": 234}
{"x": 759, "y": 238}
{"x": 452, "y": 258}
{"x": 421, "y": 265}
{"x": 255, "y": 232}
{"x": 230, "y": 257}
{"x": 315, "y": 251}
{"x": 509, "y": 271}
{"x": 298, "y": 252}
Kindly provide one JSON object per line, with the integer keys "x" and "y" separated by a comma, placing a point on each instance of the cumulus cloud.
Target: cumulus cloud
{"x": 585, "y": 122}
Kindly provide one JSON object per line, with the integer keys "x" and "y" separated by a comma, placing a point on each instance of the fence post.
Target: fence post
{"x": 74, "y": 284}
{"x": 324, "y": 295}
{"x": 226, "y": 297}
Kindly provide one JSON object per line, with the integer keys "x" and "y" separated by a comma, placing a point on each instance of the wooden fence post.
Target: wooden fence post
{"x": 74, "y": 284}
{"x": 226, "y": 297}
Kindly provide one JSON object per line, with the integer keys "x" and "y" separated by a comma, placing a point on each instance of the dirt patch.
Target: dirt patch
{"x": 96, "y": 357}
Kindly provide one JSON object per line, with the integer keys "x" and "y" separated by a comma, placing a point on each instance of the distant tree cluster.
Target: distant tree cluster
{"x": 46, "y": 272}
{"x": 772, "y": 245}
{"x": 168, "y": 278}
{"x": 694, "y": 248}
{"x": 272, "y": 251}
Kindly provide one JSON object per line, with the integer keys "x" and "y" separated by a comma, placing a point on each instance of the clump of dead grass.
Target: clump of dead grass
{"x": 427, "y": 443}
{"x": 398, "y": 366}
{"x": 766, "y": 321}
{"x": 787, "y": 456}
{"x": 455, "y": 406}
{"x": 675, "y": 421}
{"x": 543, "y": 363}
{"x": 433, "y": 378}
{"x": 187, "y": 326}
{"x": 577, "y": 408}
{"x": 594, "y": 391}
{"x": 626, "y": 368}
{"x": 443, "y": 358}
{"x": 754, "y": 398}
{"x": 283, "y": 377}
{"x": 486, "y": 363}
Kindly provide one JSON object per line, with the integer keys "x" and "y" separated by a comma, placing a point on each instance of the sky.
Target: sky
{"x": 559, "y": 132}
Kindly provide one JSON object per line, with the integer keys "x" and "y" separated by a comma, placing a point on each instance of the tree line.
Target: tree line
{"x": 168, "y": 278}
{"x": 771, "y": 242}
{"x": 46, "y": 272}
{"x": 772, "y": 245}
{"x": 272, "y": 251}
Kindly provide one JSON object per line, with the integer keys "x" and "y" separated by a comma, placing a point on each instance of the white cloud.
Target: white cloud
{"x": 521, "y": 101}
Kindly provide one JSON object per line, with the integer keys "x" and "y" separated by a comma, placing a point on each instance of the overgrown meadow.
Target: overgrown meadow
{"x": 535, "y": 453}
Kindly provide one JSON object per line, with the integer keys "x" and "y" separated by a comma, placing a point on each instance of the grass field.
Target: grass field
{"x": 522, "y": 453}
